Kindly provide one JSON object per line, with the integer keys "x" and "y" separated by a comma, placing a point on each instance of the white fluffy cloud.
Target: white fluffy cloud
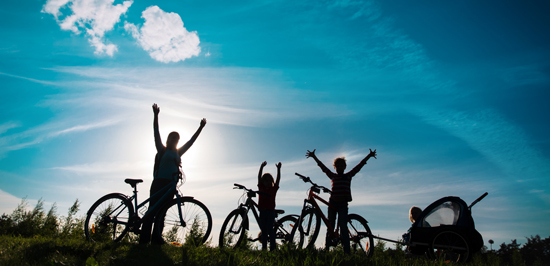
{"x": 95, "y": 17}
{"x": 164, "y": 36}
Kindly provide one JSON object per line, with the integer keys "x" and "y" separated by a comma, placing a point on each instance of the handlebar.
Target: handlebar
{"x": 478, "y": 199}
{"x": 304, "y": 178}
{"x": 308, "y": 180}
{"x": 239, "y": 186}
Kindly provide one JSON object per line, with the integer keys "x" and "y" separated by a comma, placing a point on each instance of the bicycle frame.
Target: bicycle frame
{"x": 248, "y": 205}
{"x": 312, "y": 200}
{"x": 251, "y": 205}
{"x": 165, "y": 192}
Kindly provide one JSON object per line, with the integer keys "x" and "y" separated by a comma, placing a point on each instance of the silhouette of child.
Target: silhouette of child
{"x": 414, "y": 212}
{"x": 168, "y": 170}
{"x": 266, "y": 204}
{"x": 341, "y": 194}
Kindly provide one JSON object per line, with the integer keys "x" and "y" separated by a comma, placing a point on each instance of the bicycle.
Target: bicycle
{"x": 183, "y": 218}
{"x": 310, "y": 222}
{"x": 236, "y": 224}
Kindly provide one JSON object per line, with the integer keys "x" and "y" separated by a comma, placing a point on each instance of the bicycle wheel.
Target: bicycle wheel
{"x": 233, "y": 229}
{"x": 193, "y": 226}
{"x": 310, "y": 225}
{"x": 283, "y": 230}
{"x": 361, "y": 239}
{"x": 108, "y": 218}
{"x": 449, "y": 246}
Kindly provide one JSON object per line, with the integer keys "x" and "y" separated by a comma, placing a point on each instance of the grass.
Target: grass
{"x": 55, "y": 251}
{"x": 34, "y": 237}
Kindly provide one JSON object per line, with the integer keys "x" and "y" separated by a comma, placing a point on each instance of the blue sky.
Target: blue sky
{"x": 452, "y": 94}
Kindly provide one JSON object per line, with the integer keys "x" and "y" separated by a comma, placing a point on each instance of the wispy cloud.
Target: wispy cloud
{"x": 29, "y": 79}
{"x": 7, "y": 126}
{"x": 492, "y": 135}
{"x": 86, "y": 127}
{"x": 164, "y": 36}
{"x": 524, "y": 75}
{"x": 222, "y": 95}
{"x": 38, "y": 134}
{"x": 95, "y": 17}
{"x": 106, "y": 167}
{"x": 484, "y": 129}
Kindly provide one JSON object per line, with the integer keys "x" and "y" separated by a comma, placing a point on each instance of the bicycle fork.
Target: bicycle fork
{"x": 182, "y": 222}
{"x": 243, "y": 225}
{"x": 298, "y": 225}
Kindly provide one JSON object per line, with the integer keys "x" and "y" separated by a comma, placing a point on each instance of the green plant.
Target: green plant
{"x": 195, "y": 235}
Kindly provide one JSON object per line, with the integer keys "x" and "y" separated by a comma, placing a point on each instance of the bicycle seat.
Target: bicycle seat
{"x": 279, "y": 211}
{"x": 133, "y": 182}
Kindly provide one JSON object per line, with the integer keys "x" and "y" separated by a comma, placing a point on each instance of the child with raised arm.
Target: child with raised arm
{"x": 341, "y": 194}
{"x": 266, "y": 204}
{"x": 167, "y": 169}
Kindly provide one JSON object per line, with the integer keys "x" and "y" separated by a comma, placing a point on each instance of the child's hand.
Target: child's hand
{"x": 264, "y": 164}
{"x": 278, "y": 165}
{"x": 310, "y": 153}
{"x": 156, "y": 109}
{"x": 372, "y": 153}
{"x": 203, "y": 122}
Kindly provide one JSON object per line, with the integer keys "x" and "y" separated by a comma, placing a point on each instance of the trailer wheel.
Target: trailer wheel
{"x": 449, "y": 246}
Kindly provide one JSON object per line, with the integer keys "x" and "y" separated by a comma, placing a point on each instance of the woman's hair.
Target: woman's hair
{"x": 267, "y": 177}
{"x": 414, "y": 212}
{"x": 174, "y": 134}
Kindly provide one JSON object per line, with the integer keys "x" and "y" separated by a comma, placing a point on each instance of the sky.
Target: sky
{"x": 453, "y": 95}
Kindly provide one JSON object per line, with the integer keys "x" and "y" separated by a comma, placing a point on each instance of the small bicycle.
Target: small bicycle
{"x": 183, "y": 217}
{"x": 310, "y": 222}
{"x": 236, "y": 224}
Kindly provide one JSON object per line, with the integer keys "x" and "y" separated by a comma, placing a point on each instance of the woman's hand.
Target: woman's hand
{"x": 278, "y": 165}
{"x": 203, "y": 122}
{"x": 156, "y": 109}
{"x": 264, "y": 164}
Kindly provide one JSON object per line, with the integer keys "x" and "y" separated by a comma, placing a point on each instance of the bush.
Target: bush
{"x": 536, "y": 250}
{"x": 510, "y": 253}
{"x": 38, "y": 223}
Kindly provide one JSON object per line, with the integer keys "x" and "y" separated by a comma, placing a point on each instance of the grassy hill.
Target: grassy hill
{"x": 57, "y": 251}
{"x": 34, "y": 237}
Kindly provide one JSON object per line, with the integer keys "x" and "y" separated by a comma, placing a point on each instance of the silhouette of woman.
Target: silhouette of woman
{"x": 167, "y": 169}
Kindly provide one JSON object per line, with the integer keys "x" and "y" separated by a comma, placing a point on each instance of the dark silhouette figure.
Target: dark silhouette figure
{"x": 266, "y": 204}
{"x": 414, "y": 213}
{"x": 167, "y": 169}
{"x": 341, "y": 194}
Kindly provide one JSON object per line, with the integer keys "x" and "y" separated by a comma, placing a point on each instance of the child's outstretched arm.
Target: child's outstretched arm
{"x": 189, "y": 143}
{"x": 158, "y": 141}
{"x": 261, "y": 171}
{"x": 362, "y": 163}
{"x": 311, "y": 154}
{"x": 278, "y": 173}
{"x": 371, "y": 154}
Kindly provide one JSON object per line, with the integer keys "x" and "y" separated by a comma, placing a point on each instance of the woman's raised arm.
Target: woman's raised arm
{"x": 158, "y": 141}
